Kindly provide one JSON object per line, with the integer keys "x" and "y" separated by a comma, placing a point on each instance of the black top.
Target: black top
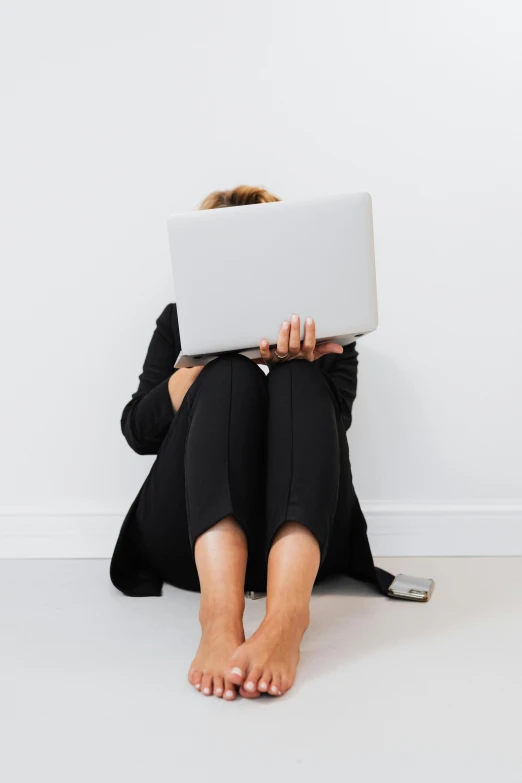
{"x": 149, "y": 413}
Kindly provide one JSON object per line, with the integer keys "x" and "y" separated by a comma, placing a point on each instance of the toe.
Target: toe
{"x": 195, "y": 678}
{"x": 275, "y": 686}
{"x": 237, "y": 667}
{"x": 218, "y": 686}
{"x": 230, "y": 690}
{"x": 206, "y": 685}
{"x": 252, "y": 679}
{"x": 237, "y": 675}
{"x": 264, "y": 681}
{"x": 248, "y": 694}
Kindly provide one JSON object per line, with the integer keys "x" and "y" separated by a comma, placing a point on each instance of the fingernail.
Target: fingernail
{"x": 309, "y": 321}
{"x": 229, "y": 694}
{"x": 285, "y": 324}
{"x": 237, "y": 670}
{"x": 295, "y": 318}
{"x": 264, "y": 343}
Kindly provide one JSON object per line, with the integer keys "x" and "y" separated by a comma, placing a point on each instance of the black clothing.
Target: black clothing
{"x": 265, "y": 448}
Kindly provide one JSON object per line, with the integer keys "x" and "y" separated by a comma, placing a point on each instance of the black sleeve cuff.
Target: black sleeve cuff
{"x": 154, "y": 412}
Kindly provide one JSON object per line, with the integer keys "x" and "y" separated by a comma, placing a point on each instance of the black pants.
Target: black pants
{"x": 264, "y": 448}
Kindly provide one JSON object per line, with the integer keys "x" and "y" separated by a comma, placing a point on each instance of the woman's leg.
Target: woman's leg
{"x": 221, "y": 558}
{"x": 224, "y": 471}
{"x": 267, "y": 662}
{"x": 302, "y": 491}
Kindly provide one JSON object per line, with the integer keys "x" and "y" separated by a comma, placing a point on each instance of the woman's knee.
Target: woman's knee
{"x": 300, "y": 387}
{"x": 296, "y": 373}
{"x": 230, "y": 385}
{"x": 236, "y": 369}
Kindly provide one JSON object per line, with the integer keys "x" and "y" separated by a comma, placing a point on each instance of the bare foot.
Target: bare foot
{"x": 220, "y": 636}
{"x": 267, "y": 661}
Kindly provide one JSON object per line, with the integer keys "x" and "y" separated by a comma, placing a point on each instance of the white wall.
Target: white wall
{"x": 117, "y": 113}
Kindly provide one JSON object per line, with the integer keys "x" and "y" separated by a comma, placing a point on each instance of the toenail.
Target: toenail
{"x": 250, "y": 686}
{"x": 198, "y": 685}
{"x": 229, "y": 694}
{"x": 279, "y": 693}
{"x": 237, "y": 670}
{"x": 218, "y": 690}
{"x": 262, "y": 686}
{"x": 273, "y": 689}
{"x": 206, "y": 690}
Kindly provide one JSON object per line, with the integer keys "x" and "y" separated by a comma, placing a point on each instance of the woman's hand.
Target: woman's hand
{"x": 289, "y": 344}
{"x": 180, "y": 382}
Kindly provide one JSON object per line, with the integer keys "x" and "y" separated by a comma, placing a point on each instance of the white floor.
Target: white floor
{"x": 94, "y": 684}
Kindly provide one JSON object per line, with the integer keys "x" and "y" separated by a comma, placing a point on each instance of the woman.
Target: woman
{"x": 251, "y": 491}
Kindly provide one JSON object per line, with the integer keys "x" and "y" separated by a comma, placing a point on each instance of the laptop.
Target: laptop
{"x": 240, "y": 271}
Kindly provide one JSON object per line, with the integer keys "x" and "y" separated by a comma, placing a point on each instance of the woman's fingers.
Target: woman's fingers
{"x": 309, "y": 340}
{"x": 282, "y": 340}
{"x": 289, "y": 343}
{"x": 267, "y": 355}
{"x": 323, "y": 348}
{"x": 264, "y": 350}
{"x": 294, "y": 343}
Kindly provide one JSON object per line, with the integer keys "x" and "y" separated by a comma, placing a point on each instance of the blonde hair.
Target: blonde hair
{"x": 237, "y": 197}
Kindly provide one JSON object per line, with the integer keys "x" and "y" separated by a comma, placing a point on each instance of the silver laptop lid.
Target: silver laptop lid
{"x": 240, "y": 271}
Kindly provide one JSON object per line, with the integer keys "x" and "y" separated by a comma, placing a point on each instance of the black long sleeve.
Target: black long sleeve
{"x": 340, "y": 370}
{"x": 149, "y": 413}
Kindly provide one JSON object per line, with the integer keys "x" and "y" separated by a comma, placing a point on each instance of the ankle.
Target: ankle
{"x": 223, "y": 613}
{"x": 289, "y": 615}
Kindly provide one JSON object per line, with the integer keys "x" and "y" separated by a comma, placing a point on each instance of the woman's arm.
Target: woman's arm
{"x": 149, "y": 413}
{"x": 341, "y": 371}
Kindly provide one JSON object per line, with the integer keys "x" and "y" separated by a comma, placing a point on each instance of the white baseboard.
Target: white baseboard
{"x": 394, "y": 530}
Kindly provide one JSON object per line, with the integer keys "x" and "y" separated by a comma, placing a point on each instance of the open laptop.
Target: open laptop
{"x": 240, "y": 271}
